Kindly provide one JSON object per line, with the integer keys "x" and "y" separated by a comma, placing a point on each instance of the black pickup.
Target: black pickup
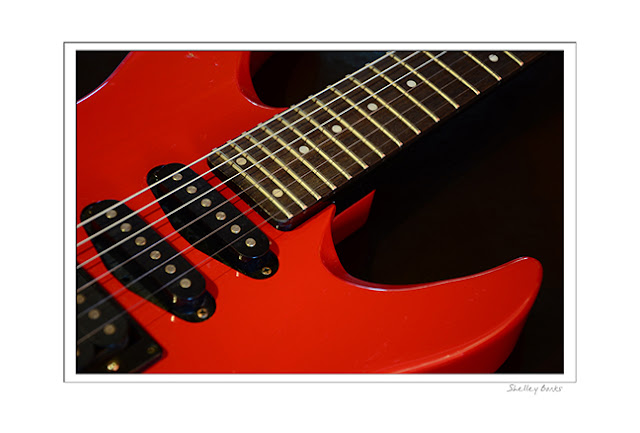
{"x": 145, "y": 263}
{"x": 109, "y": 340}
{"x": 210, "y": 222}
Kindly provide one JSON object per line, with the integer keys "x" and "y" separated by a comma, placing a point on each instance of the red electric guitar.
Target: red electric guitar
{"x": 206, "y": 223}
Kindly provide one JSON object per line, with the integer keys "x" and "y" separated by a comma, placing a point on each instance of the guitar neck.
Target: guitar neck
{"x": 290, "y": 166}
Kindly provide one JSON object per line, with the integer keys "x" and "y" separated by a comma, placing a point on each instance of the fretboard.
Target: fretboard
{"x": 290, "y": 166}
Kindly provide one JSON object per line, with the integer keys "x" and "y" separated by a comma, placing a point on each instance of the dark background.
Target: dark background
{"x": 482, "y": 189}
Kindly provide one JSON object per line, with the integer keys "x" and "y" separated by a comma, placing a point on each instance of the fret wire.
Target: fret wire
{"x": 318, "y": 150}
{"x": 386, "y": 105}
{"x": 369, "y": 118}
{"x": 467, "y": 69}
{"x": 349, "y": 127}
{"x": 299, "y": 156}
{"x": 332, "y": 138}
{"x": 257, "y": 185}
{"x": 268, "y": 173}
{"x": 429, "y": 83}
{"x": 405, "y": 93}
{"x": 485, "y": 67}
{"x": 280, "y": 162}
{"x": 452, "y": 72}
{"x": 514, "y": 58}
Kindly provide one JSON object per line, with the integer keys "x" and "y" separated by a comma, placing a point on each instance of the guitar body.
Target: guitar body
{"x": 311, "y": 316}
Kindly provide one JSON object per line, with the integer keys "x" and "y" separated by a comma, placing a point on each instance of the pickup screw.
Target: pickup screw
{"x": 140, "y": 241}
{"x": 151, "y": 350}
{"x": 235, "y": 229}
{"x": 177, "y": 177}
{"x": 191, "y": 189}
{"x": 113, "y": 366}
{"x": 266, "y": 270}
{"x": 155, "y": 254}
{"x": 94, "y": 314}
{"x": 170, "y": 269}
{"x": 220, "y": 216}
{"x": 80, "y": 299}
{"x": 205, "y": 202}
{"x": 126, "y": 227}
{"x": 250, "y": 242}
{"x": 202, "y": 313}
{"x": 185, "y": 283}
{"x": 111, "y": 214}
{"x": 110, "y": 329}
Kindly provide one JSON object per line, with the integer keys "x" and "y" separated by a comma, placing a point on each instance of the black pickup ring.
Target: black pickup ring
{"x": 210, "y": 222}
{"x": 109, "y": 339}
{"x": 146, "y": 264}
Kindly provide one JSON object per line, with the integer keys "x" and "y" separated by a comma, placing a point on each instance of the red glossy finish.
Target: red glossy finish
{"x": 311, "y": 317}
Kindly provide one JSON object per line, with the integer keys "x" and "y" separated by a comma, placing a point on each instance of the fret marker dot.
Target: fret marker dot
{"x": 191, "y": 189}
{"x": 336, "y": 128}
{"x": 235, "y": 229}
{"x": 277, "y": 193}
{"x": 241, "y": 161}
{"x": 493, "y": 58}
{"x": 372, "y": 107}
{"x": 303, "y": 149}
{"x": 411, "y": 83}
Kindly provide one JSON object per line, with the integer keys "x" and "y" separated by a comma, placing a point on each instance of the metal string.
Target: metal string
{"x": 212, "y": 152}
{"x": 209, "y": 258}
{"x": 243, "y": 152}
{"x": 227, "y": 201}
{"x": 236, "y": 195}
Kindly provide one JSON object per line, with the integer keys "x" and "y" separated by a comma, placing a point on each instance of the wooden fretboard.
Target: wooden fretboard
{"x": 292, "y": 164}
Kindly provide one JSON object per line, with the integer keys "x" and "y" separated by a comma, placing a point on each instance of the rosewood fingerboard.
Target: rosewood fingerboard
{"x": 291, "y": 165}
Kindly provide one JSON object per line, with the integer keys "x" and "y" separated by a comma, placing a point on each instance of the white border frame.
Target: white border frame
{"x": 570, "y": 263}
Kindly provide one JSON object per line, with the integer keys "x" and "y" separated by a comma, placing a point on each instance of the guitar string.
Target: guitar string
{"x": 200, "y": 264}
{"x": 87, "y": 239}
{"x": 289, "y": 145}
{"x": 219, "y": 148}
{"x": 217, "y": 186}
{"x": 143, "y": 302}
{"x": 236, "y": 195}
{"x": 221, "y": 204}
{"x": 208, "y": 258}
